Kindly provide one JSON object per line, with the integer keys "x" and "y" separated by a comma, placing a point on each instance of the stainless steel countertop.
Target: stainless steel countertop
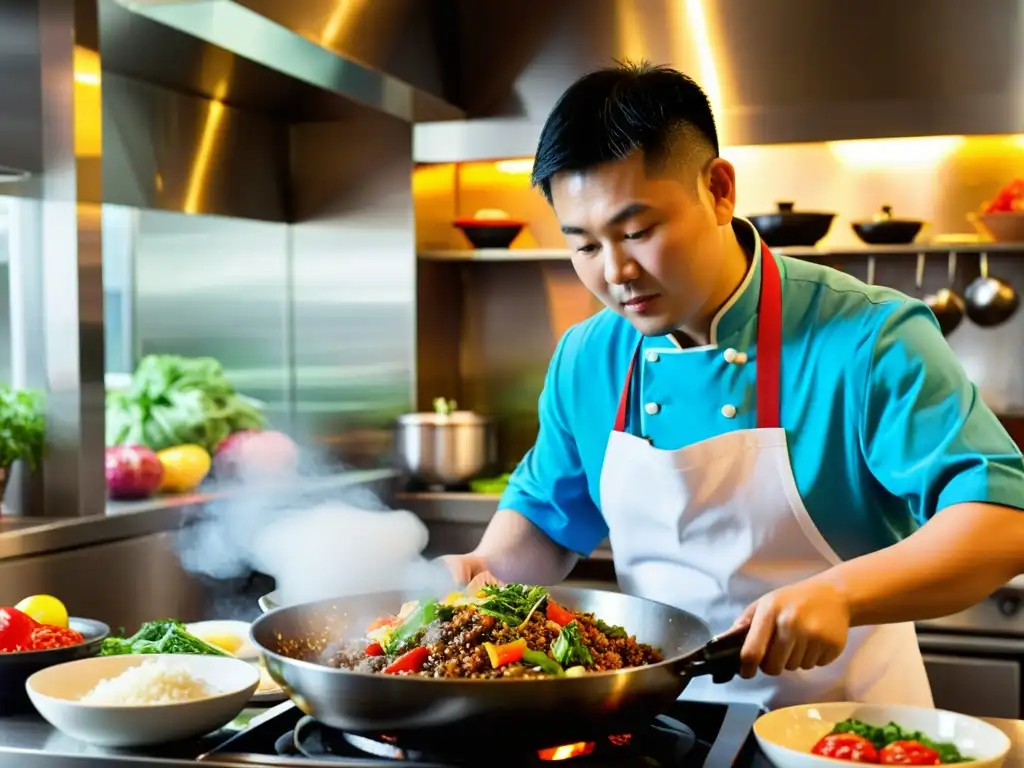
{"x": 23, "y": 736}
{"x": 24, "y": 536}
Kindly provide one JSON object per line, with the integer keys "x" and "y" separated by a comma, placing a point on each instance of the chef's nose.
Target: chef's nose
{"x": 619, "y": 266}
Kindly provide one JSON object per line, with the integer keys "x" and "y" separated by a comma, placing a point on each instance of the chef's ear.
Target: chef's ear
{"x": 721, "y": 181}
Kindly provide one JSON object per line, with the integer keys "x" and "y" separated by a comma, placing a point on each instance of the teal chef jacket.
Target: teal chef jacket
{"x": 884, "y": 427}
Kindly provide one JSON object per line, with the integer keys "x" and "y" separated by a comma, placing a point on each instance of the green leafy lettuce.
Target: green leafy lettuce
{"x": 175, "y": 400}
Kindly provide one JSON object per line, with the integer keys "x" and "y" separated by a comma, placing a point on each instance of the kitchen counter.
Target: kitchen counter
{"x": 24, "y": 536}
{"x": 29, "y": 742}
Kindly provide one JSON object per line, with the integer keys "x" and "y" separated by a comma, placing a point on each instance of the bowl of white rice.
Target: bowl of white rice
{"x": 135, "y": 701}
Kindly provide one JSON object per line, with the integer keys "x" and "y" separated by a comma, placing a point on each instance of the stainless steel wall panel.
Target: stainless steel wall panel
{"x": 209, "y": 285}
{"x": 354, "y": 283}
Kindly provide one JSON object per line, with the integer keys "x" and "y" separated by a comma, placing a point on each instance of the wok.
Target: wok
{"x": 545, "y": 712}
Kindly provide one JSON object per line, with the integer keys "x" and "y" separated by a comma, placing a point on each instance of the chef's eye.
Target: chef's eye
{"x": 639, "y": 235}
{"x": 588, "y": 248}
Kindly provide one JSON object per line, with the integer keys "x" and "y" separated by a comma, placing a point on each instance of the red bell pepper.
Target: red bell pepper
{"x": 15, "y": 630}
{"x": 846, "y": 746}
{"x": 908, "y": 753}
{"x": 412, "y": 661}
{"x": 558, "y": 614}
{"x": 509, "y": 653}
{"x": 374, "y": 649}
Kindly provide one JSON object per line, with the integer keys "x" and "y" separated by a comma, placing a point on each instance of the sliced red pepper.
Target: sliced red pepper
{"x": 383, "y": 621}
{"x": 412, "y": 661}
{"x": 374, "y": 649}
{"x": 15, "y": 630}
{"x": 846, "y": 746}
{"x": 908, "y": 753}
{"x": 558, "y": 614}
{"x": 509, "y": 653}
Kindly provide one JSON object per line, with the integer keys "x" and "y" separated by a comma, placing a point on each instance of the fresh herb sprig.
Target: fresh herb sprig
{"x": 512, "y": 603}
{"x": 22, "y": 427}
{"x": 568, "y": 648}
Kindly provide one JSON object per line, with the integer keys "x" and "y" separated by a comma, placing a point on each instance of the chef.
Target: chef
{"x": 768, "y": 443}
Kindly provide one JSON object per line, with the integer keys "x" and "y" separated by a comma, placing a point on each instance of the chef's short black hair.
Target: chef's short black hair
{"x": 609, "y": 114}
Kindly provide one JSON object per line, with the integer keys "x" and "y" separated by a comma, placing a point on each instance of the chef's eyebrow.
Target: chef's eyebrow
{"x": 624, "y": 215}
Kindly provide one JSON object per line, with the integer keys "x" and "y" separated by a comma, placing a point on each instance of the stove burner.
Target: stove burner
{"x": 665, "y": 742}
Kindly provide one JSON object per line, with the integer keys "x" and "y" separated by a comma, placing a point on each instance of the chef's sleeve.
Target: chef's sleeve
{"x": 549, "y": 487}
{"x": 926, "y": 434}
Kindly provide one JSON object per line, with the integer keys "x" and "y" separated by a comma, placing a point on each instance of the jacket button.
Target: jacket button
{"x": 652, "y": 356}
{"x": 730, "y": 355}
{"x": 652, "y": 408}
{"x": 728, "y": 411}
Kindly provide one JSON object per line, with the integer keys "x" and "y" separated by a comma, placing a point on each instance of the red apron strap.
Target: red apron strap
{"x": 620, "y": 416}
{"x": 769, "y": 344}
{"x": 769, "y": 351}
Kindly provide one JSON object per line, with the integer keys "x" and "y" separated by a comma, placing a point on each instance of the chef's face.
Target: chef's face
{"x": 648, "y": 244}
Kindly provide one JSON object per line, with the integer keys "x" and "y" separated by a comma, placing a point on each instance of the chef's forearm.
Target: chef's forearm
{"x": 517, "y": 550}
{"x": 957, "y": 559}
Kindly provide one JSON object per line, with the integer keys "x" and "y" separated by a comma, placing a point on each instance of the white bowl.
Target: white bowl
{"x": 786, "y": 736}
{"x": 56, "y": 691}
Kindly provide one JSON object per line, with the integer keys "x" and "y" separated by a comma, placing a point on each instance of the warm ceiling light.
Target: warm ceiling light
{"x": 525, "y": 165}
{"x": 895, "y": 154}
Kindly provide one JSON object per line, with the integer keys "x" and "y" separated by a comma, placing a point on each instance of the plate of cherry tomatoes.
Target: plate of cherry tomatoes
{"x": 820, "y": 735}
{"x": 38, "y": 633}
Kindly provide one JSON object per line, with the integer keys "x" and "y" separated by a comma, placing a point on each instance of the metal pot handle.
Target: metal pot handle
{"x": 720, "y": 658}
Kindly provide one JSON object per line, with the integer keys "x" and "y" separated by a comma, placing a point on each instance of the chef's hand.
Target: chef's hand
{"x": 801, "y": 626}
{"x": 470, "y": 570}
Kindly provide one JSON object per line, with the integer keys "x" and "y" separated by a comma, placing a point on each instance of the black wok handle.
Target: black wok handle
{"x": 720, "y": 658}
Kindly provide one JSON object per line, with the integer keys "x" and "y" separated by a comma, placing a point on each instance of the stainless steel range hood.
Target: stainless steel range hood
{"x": 310, "y": 42}
{"x": 780, "y": 71}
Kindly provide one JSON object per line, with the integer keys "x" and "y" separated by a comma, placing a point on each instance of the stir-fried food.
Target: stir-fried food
{"x": 502, "y": 632}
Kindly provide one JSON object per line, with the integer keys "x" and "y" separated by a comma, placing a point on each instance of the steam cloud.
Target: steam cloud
{"x": 315, "y": 534}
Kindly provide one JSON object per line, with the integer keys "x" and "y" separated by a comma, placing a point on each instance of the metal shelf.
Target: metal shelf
{"x": 900, "y": 250}
{"x": 498, "y": 254}
{"x": 555, "y": 254}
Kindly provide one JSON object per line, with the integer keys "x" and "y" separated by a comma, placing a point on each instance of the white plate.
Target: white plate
{"x": 786, "y": 736}
{"x": 56, "y": 691}
{"x": 238, "y": 629}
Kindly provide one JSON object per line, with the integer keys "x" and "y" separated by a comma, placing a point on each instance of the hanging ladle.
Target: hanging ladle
{"x": 990, "y": 301}
{"x": 946, "y": 304}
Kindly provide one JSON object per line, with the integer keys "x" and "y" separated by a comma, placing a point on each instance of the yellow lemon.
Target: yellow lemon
{"x": 185, "y": 467}
{"x": 45, "y": 609}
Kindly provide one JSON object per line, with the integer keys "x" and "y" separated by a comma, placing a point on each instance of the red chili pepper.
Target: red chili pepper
{"x": 15, "y": 630}
{"x": 558, "y": 614}
{"x": 846, "y": 746}
{"x": 409, "y": 662}
{"x": 908, "y": 753}
{"x": 46, "y": 637}
{"x": 374, "y": 649}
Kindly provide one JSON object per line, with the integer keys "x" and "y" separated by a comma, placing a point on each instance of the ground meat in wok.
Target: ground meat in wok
{"x": 456, "y": 646}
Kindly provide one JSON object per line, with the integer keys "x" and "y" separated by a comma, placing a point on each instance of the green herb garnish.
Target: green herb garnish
{"x": 884, "y": 735}
{"x": 512, "y": 603}
{"x": 568, "y": 647}
{"x": 611, "y": 630}
{"x": 166, "y": 636}
{"x": 22, "y": 427}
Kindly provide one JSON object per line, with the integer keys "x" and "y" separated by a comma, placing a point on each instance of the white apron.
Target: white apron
{"x": 714, "y": 526}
